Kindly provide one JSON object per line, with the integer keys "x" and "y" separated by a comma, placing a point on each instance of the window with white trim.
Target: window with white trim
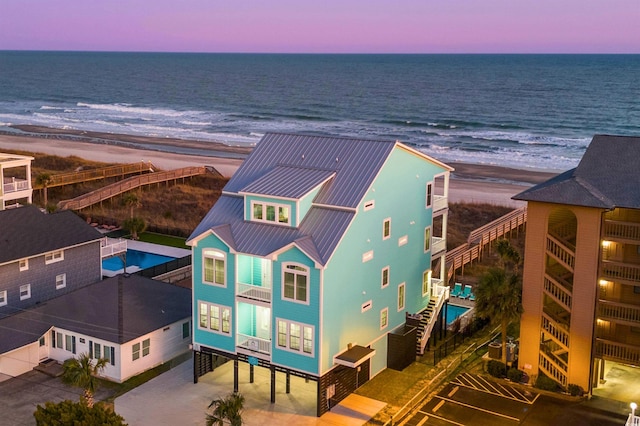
{"x": 135, "y": 349}
{"x": 429, "y": 195}
{"x": 426, "y": 282}
{"x": 23, "y": 264}
{"x": 269, "y": 212}
{"x": 295, "y": 337}
{"x": 427, "y": 239}
{"x": 61, "y": 281}
{"x": 53, "y": 257}
{"x": 25, "y": 291}
{"x": 216, "y": 318}
{"x": 385, "y": 277}
{"x": 403, "y": 240}
{"x": 295, "y": 283}
{"x": 384, "y": 318}
{"x": 386, "y": 229}
{"x": 367, "y": 256}
{"x": 213, "y": 267}
{"x": 368, "y": 205}
{"x": 3, "y": 297}
{"x": 401, "y": 296}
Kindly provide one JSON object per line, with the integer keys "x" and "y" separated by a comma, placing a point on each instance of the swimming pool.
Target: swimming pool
{"x": 455, "y": 311}
{"x": 137, "y": 258}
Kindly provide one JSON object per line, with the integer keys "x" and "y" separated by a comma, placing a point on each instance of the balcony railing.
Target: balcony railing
{"x": 112, "y": 246}
{"x": 254, "y": 344}
{"x": 618, "y": 311}
{"x": 558, "y": 292}
{"x": 441, "y": 293}
{"x": 561, "y": 252}
{"x": 556, "y": 330}
{"x": 617, "y": 271}
{"x": 438, "y": 244}
{"x": 615, "y": 351}
{"x": 254, "y": 292}
{"x": 629, "y": 231}
{"x": 439, "y": 202}
{"x": 15, "y": 185}
{"x": 552, "y": 369}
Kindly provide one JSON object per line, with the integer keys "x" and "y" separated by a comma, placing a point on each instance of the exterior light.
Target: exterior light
{"x": 606, "y": 244}
{"x": 633, "y": 410}
{"x": 604, "y": 282}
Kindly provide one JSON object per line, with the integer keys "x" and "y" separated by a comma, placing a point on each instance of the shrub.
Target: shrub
{"x": 76, "y": 413}
{"x": 575, "y": 390}
{"x": 545, "y": 383}
{"x": 496, "y": 368}
{"x": 514, "y": 375}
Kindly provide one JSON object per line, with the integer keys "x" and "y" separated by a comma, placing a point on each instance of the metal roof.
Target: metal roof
{"x": 26, "y": 231}
{"x": 93, "y": 311}
{"x": 607, "y": 177}
{"x": 288, "y": 182}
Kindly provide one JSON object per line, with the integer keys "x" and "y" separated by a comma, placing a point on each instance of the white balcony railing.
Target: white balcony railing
{"x": 439, "y": 202}
{"x": 254, "y": 292}
{"x": 112, "y": 246}
{"x": 438, "y": 244}
{"x": 254, "y": 344}
{"x": 15, "y": 185}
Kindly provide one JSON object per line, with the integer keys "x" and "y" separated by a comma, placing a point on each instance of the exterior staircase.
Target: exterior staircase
{"x": 425, "y": 317}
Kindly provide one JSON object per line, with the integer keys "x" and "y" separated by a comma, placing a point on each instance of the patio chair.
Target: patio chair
{"x": 472, "y": 297}
{"x": 466, "y": 293}
{"x": 457, "y": 290}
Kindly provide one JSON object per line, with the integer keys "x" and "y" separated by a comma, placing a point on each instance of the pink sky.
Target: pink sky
{"x": 332, "y": 26}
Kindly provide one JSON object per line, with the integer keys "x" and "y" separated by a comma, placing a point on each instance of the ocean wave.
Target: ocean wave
{"x": 128, "y": 108}
{"x": 47, "y": 107}
{"x": 196, "y": 123}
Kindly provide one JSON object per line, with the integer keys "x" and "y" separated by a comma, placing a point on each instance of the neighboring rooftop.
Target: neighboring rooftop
{"x": 26, "y": 231}
{"x": 147, "y": 305}
{"x": 607, "y": 177}
{"x": 9, "y": 160}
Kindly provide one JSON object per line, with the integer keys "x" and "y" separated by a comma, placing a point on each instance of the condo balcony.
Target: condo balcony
{"x": 438, "y": 245}
{"x": 254, "y": 292}
{"x": 619, "y": 352}
{"x": 621, "y": 272}
{"x": 254, "y": 345}
{"x": 621, "y": 231}
{"x": 15, "y": 185}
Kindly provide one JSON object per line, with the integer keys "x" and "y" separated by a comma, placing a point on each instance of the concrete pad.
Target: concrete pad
{"x": 173, "y": 398}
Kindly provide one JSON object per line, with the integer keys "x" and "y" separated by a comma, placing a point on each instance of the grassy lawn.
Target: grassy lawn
{"x": 165, "y": 240}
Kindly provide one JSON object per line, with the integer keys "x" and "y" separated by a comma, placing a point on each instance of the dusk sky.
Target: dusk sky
{"x": 331, "y": 26}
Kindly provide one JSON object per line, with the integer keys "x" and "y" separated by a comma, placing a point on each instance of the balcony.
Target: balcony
{"x": 562, "y": 253}
{"x": 619, "y": 352}
{"x": 254, "y": 345}
{"x": 254, "y": 292}
{"x": 620, "y": 312}
{"x": 621, "y": 231}
{"x": 439, "y": 202}
{"x": 438, "y": 245}
{"x": 556, "y": 330}
{"x": 556, "y": 290}
{"x": 112, "y": 246}
{"x": 15, "y": 185}
{"x": 621, "y": 272}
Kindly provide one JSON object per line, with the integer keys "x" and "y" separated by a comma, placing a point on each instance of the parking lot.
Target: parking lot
{"x": 473, "y": 400}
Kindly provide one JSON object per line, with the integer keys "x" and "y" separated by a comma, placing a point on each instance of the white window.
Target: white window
{"x": 386, "y": 228}
{"x": 295, "y": 283}
{"x": 25, "y": 291}
{"x": 366, "y": 306}
{"x": 295, "y": 337}
{"x": 426, "y": 282}
{"x": 401, "y": 297}
{"x": 403, "y": 240}
{"x": 23, "y": 264}
{"x": 135, "y": 349}
{"x": 368, "y": 205}
{"x": 53, "y": 257}
{"x": 429, "y": 199}
{"x": 385, "y": 276}
{"x": 214, "y": 318}
{"x": 427, "y": 239}
{"x": 267, "y": 212}
{"x": 384, "y": 318}
{"x": 61, "y": 281}
{"x": 213, "y": 265}
{"x": 367, "y": 256}
{"x": 3, "y": 297}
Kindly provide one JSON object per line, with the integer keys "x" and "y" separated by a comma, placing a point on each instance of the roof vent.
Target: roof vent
{"x": 336, "y": 159}
{"x": 303, "y": 156}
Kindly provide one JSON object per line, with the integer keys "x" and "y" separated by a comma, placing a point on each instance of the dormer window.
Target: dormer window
{"x": 268, "y": 212}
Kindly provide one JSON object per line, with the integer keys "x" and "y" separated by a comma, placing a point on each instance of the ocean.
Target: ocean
{"x": 522, "y": 111}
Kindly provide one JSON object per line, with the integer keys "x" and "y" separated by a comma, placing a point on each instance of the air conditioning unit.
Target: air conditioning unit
{"x": 254, "y": 344}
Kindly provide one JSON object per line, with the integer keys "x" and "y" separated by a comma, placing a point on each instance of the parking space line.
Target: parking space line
{"x": 443, "y": 419}
{"x": 515, "y": 419}
{"x": 483, "y": 385}
{"x": 453, "y": 391}
{"x": 437, "y": 407}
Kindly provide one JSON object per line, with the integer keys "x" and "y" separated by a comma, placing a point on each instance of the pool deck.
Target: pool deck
{"x": 148, "y": 248}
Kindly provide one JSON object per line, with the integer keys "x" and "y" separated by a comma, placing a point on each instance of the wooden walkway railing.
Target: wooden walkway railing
{"x": 128, "y": 184}
{"x": 96, "y": 174}
{"x": 481, "y": 237}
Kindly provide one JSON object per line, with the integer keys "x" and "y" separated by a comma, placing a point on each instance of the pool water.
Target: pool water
{"x": 141, "y": 259}
{"x": 454, "y": 311}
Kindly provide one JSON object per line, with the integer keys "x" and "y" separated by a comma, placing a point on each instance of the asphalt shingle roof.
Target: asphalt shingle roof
{"x": 606, "y": 177}
{"x": 93, "y": 310}
{"x": 26, "y": 232}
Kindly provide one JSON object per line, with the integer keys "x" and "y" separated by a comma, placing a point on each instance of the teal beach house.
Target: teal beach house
{"x": 323, "y": 259}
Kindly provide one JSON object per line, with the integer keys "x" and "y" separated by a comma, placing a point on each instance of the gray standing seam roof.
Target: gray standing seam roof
{"x": 606, "y": 177}
{"x": 26, "y": 231}
{"x": 93, "y": 310}
{"x": 278, "y": 182}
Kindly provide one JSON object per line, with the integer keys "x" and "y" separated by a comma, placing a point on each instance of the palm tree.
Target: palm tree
{"x": 81, "y": 372}
{"x": 135, "y": 225}
{"x": 499, "y": 298}
{"x": 132, "y": 201}
{"x": 509, "y": 255}
{"x": 226, "y": 410}
{"x": 44, "y": 179}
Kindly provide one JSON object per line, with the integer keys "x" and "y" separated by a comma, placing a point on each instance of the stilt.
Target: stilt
{"x": 196, "y": 358}
{"x": 288, "y": 383}
{"x": 235, "y": 375}
{"x": 318, "y": 398}
{"x": 250, "y": 373}
{"x": 273, "y": 384}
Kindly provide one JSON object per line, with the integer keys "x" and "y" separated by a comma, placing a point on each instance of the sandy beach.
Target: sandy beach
{"x": 469, "y": 183}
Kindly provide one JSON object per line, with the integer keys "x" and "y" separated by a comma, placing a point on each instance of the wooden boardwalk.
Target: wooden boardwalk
{"x": 481, "y": 238}
{"x": 128, "y": 184}
{"x": 120, "y": 170}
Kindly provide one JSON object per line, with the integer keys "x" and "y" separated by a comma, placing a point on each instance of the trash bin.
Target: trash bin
{"x": 495, "y": 350}
{"x": 511, "y": 352}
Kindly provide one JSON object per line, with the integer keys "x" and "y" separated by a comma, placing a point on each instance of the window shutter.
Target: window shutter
{"x": 73, "y": 344}
{"x": 90, "y": 349}
{"x": 113, "y": 355}
{"x": 53, "y": 338}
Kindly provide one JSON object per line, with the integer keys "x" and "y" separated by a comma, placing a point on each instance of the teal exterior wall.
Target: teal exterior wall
{"x": 306, "y": 202}
{"x": 298, "y": 312}
{"x": 399, "y": 192}
{"x": 290, "y": 203}
{"x": 224, "y": 296}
